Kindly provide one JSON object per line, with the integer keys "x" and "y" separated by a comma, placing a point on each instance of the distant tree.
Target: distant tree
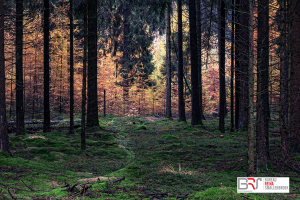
{"x": 221, "y": 39}
{"x": 262, "y": 103}
{"x": 196, "y": 115}
{"x": 71, "y": 69}
{"x": 125, "y": 59}
{"x": 4, "y": 143}
{"x": 84, "y": 76}
{"x": 168, "y": 62}
{"x": 295, "y": 77}
{"x": 46, "y": 67}
{"x": 181, "y": 104}
{"x": 92, "y": 107}
{"x": 19, "y": 68}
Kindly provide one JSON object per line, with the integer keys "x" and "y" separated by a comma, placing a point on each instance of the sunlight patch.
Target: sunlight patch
{"x": 171, "y": 169}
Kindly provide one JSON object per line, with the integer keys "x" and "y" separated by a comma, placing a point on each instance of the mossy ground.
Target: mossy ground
{"x": 154, "y": 154}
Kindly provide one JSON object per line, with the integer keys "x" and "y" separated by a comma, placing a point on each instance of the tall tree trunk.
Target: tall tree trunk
{"x": 168, "y": 62}
{"x": 71, "y": 70}
{"x": 46, "y": 68}
{"x": 232, "y": 67}
{"x": 199, "y": 49}
{"x": 181, "y": 103}
{"x": 196, "y": 116}
{"x": 251, "y": 93}
{"x": 221, "y": 39}
{"x": 92, "y": 107}
{"x": 283, "y": 117}
{"x": 243, "y": 45}
{"x": 125, "y": 56}
{"x": 84, "y": 78}
{"x": 295, "y": 77}
{"x": 263, "y": 112}
{"x": 237, "y": 64}
{"x": 4, "y": 143}
{"x": 19, "y": 68}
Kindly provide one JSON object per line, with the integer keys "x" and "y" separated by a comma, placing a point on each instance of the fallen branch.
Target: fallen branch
{"x": 28, "y": 186}
{"x": 118, "y": 180}
{"x": 11, "y": 194}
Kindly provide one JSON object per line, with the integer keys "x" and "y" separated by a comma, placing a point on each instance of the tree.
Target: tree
{"x": 262, "y": 109}
{"x": 181, "y": 106}
{"x": 251, "y": 93}
{"x": 243, "y": 46}
{"x": 168, "y": 62}
{"x": 46, "y": 67}
{"x": 295, "y": 77}
{"x": 71, "y": 70}
{"x": 237, "y": 64}
{"x": 221, "y": 39}
{"x": 92, "y": 107}
{"x": 232, "y": 67}
{"x": 4, "y": 143}
{"x": 196, "y": 116}
{"x": 84, "y": 77}
{"x": 19, "y": 68}
{"x": 199, "y": 49}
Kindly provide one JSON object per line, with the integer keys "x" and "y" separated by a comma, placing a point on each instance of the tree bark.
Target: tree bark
{"x": 168, "y": 62}
{"x": 295, "y": 77}
{"x": 181, "y": 103}
{"x": 71, "y": 69}
{"x": 237, "y": 64}
{"x": 84, "y": 78}
{"x": 4, "y": 143}
{"x": 221, "y": 40}
{"x": 92, "y": 107}
{"x": 251, "y": 94}
{"x": 199, "y": 49}
{"x": 46, "y": 67}
{"x": 125, "y": 56}
{"x": 232, "y": 67}
{"x": 19, "y": 68}
{"x": 263, "y": 113}
{"x": 243, "y": 45}
{"x": 196, "y": 117}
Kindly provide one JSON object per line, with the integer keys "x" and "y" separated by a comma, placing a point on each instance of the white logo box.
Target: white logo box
{"x": 263, "y": 185}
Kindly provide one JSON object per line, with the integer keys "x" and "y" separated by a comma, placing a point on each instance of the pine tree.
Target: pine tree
{"x": 71, "y": 70}
{"x": 168, "y": 62}
{"x": 4, "y": 143}
{"x": 19, "y": 68}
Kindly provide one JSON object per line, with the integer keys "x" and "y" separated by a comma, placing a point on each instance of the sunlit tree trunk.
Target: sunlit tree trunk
{"x": 181, "y": 104}
{"x": 221, "y": 40}
{"x": 4, "y": 143}
{"x": 262, "y": 105}
{"x": 168, "y": 62}
{"x": 46, "y": 67}
{"x": 92, "y": 107}
{"x": 19, "y": 68}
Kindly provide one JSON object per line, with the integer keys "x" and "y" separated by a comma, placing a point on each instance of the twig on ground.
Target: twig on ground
{"x": 28, "y": 186}
{"x": 11, "y": 194}
{"x": 118, "y": 180}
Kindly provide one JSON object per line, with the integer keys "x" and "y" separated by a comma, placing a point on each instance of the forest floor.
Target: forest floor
{"x": 135, "y": 158}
